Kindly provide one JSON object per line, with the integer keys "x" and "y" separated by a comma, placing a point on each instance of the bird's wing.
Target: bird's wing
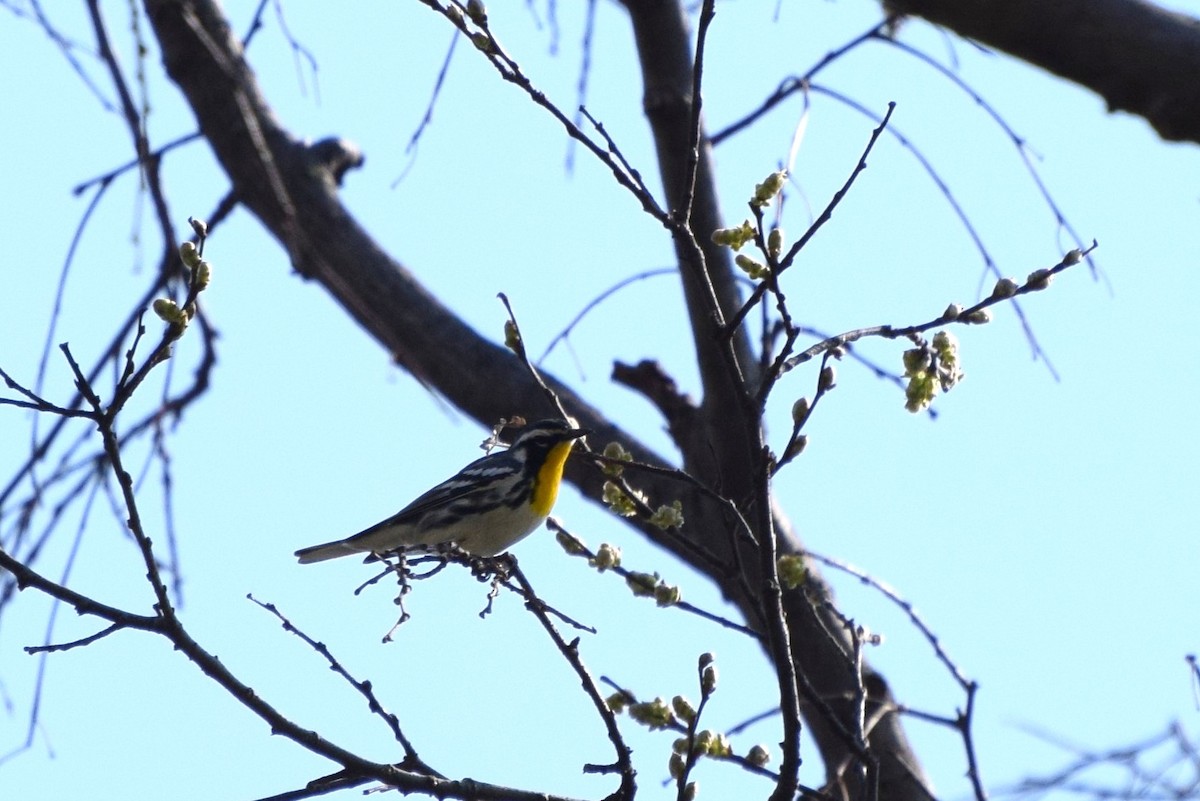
{"x": 462, "y": 485}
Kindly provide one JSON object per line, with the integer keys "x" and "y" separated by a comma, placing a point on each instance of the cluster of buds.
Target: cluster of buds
{"x": 607, "y": 558}
{"x": 200, "y": 276}
{"x": 616, "y": 452}
{"x": 619, "y": 502}
{"x": 735, "y": 238}
{"x": 931, "y": 368}
{"x": 666, "y": 517}
{"x": 651, "y": 585}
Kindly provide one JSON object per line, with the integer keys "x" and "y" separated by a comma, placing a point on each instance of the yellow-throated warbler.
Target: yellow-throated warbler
{"x": 491, "y": 504}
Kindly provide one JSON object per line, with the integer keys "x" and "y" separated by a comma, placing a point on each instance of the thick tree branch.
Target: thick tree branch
{"x": 1138, "y": 57}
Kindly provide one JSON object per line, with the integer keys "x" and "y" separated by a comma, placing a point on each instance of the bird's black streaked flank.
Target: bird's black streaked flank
{"x": 487, "y": 507}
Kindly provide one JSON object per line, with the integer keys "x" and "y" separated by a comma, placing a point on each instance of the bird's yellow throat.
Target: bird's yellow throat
{"x": 545, "y": 486}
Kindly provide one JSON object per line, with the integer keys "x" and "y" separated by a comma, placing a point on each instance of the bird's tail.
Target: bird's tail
{"x": 328, "y": 550}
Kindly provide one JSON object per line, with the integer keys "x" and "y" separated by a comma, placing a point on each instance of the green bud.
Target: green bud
{"x": 828, "y": 379}
{"x": 203, "y": 275}
{"x": 169, "y": 312}
{"x": 189, "y": 254}
{"x": 795, "y": 447}
{"x": 200, "y": 227}
{"x": 1005, "y": 288}
{"x": 683, "y": 709}
{"x": 978, "y": 317}
{"x": 512, "y": 336}
{"x": 689, "y": 791}
{"x": 667, "y": 594}
{"x": 768, "y": 189}
{"x": 680, "y": 746}
{"x": 949, "y": 372}
{"x": 1039, "y": 279}
{"x": 734, "y": 238}
{"x": 676, "y": 766}
{"x": 570, "y": 543}
{"x": 751, "y": 267}
{"x": 617, "y": 702}
{"x": 758, "y": 755}
{"x": 792, "y": 571}
{"x": 482, "y": 42}
{"x": 1074, "y": 256}
{"x": 921, "y": 389}
{"x": 713, "y": 744}
{"x": 608, "y": 557}
{"x": 477, "y": 13}
{"x": 653, "y": 715}
{"x": 666, "y": 517}
{"x": 952, "y": 311}
{"x": 775, "y": 242}
{"x": 800, "y": 411}
{"x": 642, "y": 584}
{"x": 618, "y": 501}
{"x": 708, "y": 679}
{"x": 916, "y": 360}
{"x": 614, "y": 450}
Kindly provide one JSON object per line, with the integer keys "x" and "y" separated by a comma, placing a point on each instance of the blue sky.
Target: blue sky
{"x": 1044, "y": 529}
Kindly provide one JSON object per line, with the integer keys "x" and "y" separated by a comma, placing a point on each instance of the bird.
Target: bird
{"x": 486, "y": 508}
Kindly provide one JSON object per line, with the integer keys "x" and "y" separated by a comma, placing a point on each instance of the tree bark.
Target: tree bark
{"x": 1138, "y": 57}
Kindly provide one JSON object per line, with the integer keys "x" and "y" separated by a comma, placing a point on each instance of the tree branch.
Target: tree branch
{"x": 1138, "y": 57}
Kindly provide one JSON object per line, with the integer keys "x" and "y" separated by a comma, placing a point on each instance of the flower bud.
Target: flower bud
{"x": 512, "y": 336}
{"x": 800, "y": 411}
{"x": 758, "y": 755}
{"x": 750, "y": 267}
{"x": 614, "y": 450}
{"x": 617, "y": 702}
{"x": 795, "y": 447}
{"x": 477, "y": 13}
{"x": 642, "y": 584}
{"x": 203, "y": 275}
{"x": 683, "y": 709}
{"x": 653, "y": 715}
{"x": 666, "y": 517}
{"x": 570, "y": 543}
{"x": 916, "y": 360}
{"x": 828, "y": 379}
{"x": 482, "y": 42}
{"x": 792, "y": 571}
{"x": 775, "y": 242}
{"x": 169, "y": 312}
{"x": 708, "y": 679}
{"x": 189, "y": 254}
{"x": 1005, "y": 288}
{"x": 1039, "y": 279}
{"x": 608, "y": 557}
{"x": 667, "y": 594}
{"x": 734, "y": 237}
{"x": 768, "y": 189}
